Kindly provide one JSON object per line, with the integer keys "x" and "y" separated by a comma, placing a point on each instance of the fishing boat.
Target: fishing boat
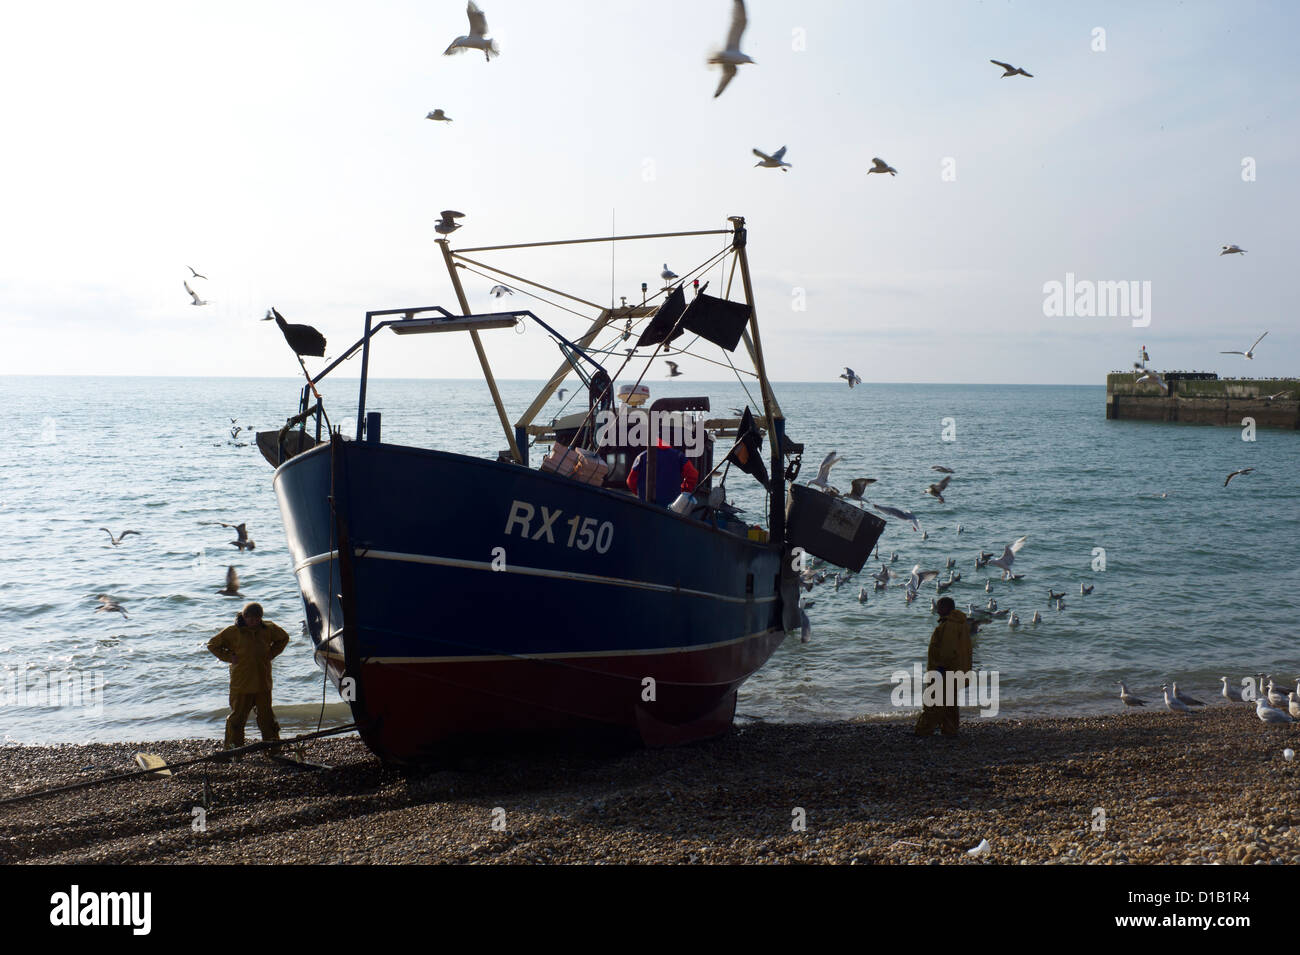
{"x": 423, "y": 570}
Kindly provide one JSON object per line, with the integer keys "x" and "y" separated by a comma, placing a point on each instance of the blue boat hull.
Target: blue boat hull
{"x": 477, "y": 597}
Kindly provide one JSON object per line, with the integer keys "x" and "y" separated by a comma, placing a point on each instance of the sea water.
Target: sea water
{"x": 1193, "y": 586}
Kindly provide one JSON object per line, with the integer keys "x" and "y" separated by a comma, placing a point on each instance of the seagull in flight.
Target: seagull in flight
{"x": 241, "y": 533}
{"x": 851, "y": 377}
{"x": 900, "y": 514}
{"x": 731, "y": 57}
{"x": 477, "y": 39}
{"x": 1235, "y": 473}
{"x": 941, "y": 469}
{"x": 859, "y": 485}
{"x": 118, "y": 539}
{"x": 879, "y": 165}
{"x": 1010, "y": 70}
{"x": 194, "y": 274}
{"x": 919, "y": 577}
{"x": 936, "y": 490}
{"x": 194, "y": 295}
{"x": 448, "y": 224}
{"x": 562, "y": 392}
{"x": 497, "y": 291}
{"x": 108, "y": 604}
{"x": 232, "y": 584}
{"x": 439, "y": 116}
{"x": 1152, "y": 376}
{"x": 824, "y": 471}
{"x": 1249, "y": 352}
{"x": 774, "y": 161}
{"x": 672, "y": 369}
{"x": 1009, "y": 554}
{"x": 1279, "y": 395}
{"x": 1233, "y": 250}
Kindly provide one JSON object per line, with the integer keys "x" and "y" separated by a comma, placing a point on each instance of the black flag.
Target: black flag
{"x": 664, "y": 320}
{"x": 717, "y": 320}
{"x": 748, "y": 452}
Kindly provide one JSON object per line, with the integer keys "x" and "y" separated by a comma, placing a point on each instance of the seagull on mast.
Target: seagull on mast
{"x": 448, "y": 224}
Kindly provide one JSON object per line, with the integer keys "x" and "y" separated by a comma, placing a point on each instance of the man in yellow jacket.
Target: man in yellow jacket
{"x": 950, "y": 650}
{"x": 249, "y": 647}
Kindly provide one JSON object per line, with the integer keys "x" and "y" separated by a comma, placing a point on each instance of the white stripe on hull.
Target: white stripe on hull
{"x": 588, "y": 654}
{"x": 530, "y": 572}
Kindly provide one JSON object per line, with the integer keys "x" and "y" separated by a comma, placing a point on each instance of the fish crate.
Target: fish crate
{"x": 829, "y": 528}
{"x": 576, "y": 463}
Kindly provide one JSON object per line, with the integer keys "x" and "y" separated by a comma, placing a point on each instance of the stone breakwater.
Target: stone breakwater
{"x": 1205, "y": 400}
{"x": 1133, "y": 787}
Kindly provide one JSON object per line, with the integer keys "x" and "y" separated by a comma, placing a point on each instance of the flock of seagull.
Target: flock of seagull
{"x": 110, "y": 604}
{"x": 912, "y": 582}
{"x": 1271, "y": 704}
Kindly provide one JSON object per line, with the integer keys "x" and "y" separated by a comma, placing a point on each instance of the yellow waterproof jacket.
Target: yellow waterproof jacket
{"x": 249, "y": 651}
{"x": 950, "y": 646}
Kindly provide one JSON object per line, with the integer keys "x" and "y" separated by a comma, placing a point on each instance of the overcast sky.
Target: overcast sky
{"x": 281, "y": 149}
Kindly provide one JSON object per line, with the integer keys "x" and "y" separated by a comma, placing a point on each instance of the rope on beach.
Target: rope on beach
{"x": 221, "y": 756}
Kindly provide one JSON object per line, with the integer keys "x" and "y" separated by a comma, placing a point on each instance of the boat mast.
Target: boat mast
{"x": 482, "y": 355}
{"x": 771, "y": 410}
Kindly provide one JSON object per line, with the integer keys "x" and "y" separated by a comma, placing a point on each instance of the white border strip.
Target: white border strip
{"x": 530, "y": 572}
{"x": 488, "y": 658}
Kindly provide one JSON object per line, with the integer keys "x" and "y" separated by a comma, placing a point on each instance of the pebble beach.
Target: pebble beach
{"x": 1133, "y": 787}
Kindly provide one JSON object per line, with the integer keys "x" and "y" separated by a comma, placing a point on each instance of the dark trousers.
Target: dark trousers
{"x": 943, "y": 716}
{"x": 241, "y": 704}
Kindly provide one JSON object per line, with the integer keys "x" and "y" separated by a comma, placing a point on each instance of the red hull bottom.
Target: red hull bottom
{"x": 660, "y": 699}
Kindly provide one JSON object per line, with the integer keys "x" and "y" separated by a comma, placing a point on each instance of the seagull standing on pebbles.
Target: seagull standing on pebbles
{"x": 1175, "y": 704}
{"x": 1128, "y": 698}
{"x": 477, "y": 39}
{"x": 1184, "y": 698}
{"x": 774, "y": 161}
{"x": 1231, "y": 694}
{"x": 730, "y": 57}
{"x": 879, "y": 165}
{"x": 1267, "y": 714}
